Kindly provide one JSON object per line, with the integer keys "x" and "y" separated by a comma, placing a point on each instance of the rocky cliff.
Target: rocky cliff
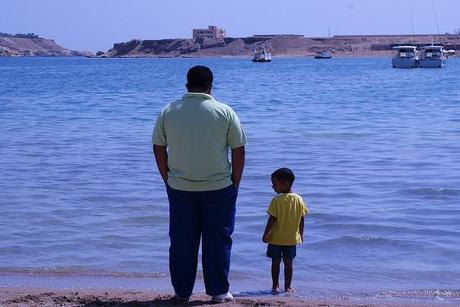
{"x": 287, "y": 45}
{"x": 18, "y": 46}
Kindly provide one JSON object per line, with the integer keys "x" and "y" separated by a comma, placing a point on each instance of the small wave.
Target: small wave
{"x": 77, "y": 271}
{"x": 327, "y": 217}
{"x": 354, "y": 240}
{"x": 430, "y": 192}
{"x": 339, "y": 135}
{"x": 422, "y": 293}
{"x": 365, "y": 240}
{"x": 253, "y": 293}
{"x": 387, "y": 229}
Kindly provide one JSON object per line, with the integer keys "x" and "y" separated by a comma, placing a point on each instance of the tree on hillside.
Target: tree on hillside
{"x": 21, "y": 35}
{"x": 28, "y": 35}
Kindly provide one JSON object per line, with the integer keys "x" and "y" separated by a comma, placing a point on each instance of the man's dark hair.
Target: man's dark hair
{"x": 284, "y": 174}
{"x": 200, "y": 78}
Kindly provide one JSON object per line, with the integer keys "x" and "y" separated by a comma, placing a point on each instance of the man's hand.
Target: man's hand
{"x": 161, "y": 156}
{"x": 237, "y": 165}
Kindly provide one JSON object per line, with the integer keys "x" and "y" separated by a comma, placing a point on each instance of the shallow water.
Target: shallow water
{"x": 375, "y": 151}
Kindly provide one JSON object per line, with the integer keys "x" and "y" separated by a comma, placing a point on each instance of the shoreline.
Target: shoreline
{"x": 19, "y": 296}
{"x": 224, "y": 57}
{"x": 337, "y": 56}
{"x": 277, "y": 45}
{"x": 113, "y": 290}
{"x": 289, "y": 45}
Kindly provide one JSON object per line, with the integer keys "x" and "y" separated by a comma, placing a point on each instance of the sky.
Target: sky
{"x": 94, "y": 25}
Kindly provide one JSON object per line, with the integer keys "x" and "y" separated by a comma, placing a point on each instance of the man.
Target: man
{"x": 190, "y": 142}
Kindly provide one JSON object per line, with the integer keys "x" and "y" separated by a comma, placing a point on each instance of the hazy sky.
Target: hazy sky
{"x": 97, "y": 24}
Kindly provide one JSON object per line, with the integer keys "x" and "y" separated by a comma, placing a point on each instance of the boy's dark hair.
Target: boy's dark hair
{"x": 199, "y": 77}
{"x": 284, "y": 174}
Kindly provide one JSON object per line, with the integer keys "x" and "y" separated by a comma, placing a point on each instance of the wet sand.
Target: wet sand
{"x": 130, "y": 297}
{"x": 117, "y": 297}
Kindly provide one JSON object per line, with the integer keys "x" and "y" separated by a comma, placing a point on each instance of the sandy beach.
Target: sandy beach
{"x": 131, "y": 297}
{"x": 117, "y": 297}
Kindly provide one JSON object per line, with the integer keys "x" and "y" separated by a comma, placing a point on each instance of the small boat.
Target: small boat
{"x": 323, "y": 55}
{"x": 405, "y": 57}
{"x": 434, "y": 56}
{"x": 261, "y": 55}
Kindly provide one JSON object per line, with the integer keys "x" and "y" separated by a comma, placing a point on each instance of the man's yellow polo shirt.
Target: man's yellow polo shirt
{"x": 288, "y": 208}
{"x": 198, "y": 130}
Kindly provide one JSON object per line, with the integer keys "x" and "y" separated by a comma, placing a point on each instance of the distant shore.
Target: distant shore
{"x": 34, "y": 46}
{"x": 278, "y": 45}
{"x": 341, "y": 55}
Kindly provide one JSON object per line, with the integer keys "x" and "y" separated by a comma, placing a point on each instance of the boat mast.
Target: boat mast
{"x": 437, "y": 23}
{"x": 411, "y": 21}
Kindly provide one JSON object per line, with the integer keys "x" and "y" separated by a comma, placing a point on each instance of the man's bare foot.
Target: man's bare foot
{"x": 275, "y": 290}
{"x": 289, "y": 290}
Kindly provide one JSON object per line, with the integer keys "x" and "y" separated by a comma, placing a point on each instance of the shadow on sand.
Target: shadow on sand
{"x": 154, "y": 302}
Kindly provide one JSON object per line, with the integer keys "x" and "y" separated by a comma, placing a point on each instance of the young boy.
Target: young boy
{"x": 284, "y": 227}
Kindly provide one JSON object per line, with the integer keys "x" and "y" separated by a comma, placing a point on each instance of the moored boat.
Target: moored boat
{"x": 434, "y": 56}
{"x": 405, "y": 57}
{"x": 261, "y": 55}
{"x": 323, "y": 55}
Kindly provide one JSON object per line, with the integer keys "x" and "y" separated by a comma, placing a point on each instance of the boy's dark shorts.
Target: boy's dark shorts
{"x": 281, "y": 251}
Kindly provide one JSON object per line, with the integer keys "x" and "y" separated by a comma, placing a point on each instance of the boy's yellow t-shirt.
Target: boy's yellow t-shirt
{"x": 288, "y": 208}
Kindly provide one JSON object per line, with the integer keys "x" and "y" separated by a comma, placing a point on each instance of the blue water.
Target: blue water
{"x": 376, "y": 153}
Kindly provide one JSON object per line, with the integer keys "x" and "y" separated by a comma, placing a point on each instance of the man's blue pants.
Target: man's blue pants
{"x": 211, "y": 216}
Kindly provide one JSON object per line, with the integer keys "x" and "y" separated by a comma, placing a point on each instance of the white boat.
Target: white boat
{"x": 434, "y": 56}
{"x": 261, "y": 55}
{"x": 323, "y": 55}
{"x": 405, "y": 57}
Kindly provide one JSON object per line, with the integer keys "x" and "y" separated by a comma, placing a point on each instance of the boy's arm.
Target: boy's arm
{"x": 271, "y": 221}
{"x": 301, "y": 228}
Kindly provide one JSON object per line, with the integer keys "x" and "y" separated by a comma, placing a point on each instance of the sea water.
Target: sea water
{"x": 375, "y": 150}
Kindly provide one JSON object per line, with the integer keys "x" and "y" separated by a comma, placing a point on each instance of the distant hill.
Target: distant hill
{"x": 279, "y": 45}
{"x": 32, "y": 45}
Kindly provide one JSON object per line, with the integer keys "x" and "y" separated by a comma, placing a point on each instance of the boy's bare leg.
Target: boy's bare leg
{"x": 275, "y": 274}
{"x": 288, "y": 275}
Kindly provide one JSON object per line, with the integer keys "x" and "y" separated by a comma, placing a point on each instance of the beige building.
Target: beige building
{"x": 212, "y": 32}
